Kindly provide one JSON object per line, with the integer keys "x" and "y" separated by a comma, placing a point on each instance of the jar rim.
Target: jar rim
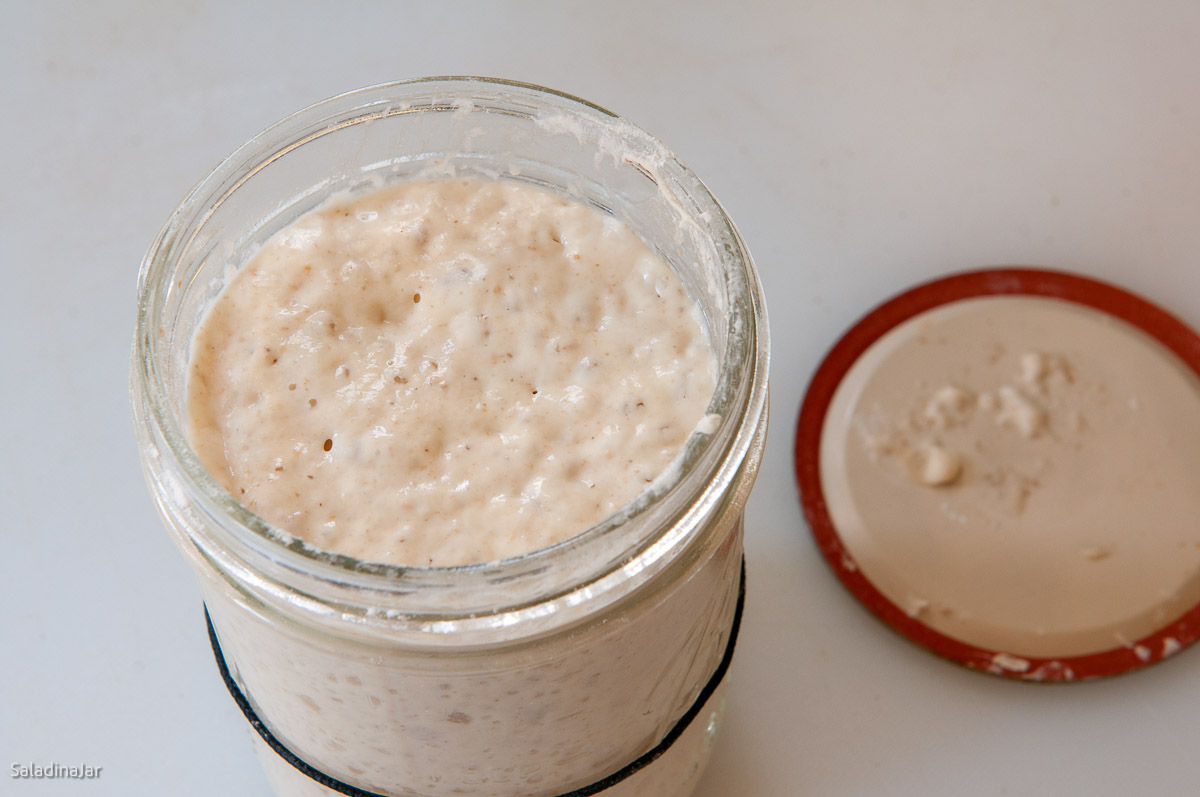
{"x": 721, "y": 454}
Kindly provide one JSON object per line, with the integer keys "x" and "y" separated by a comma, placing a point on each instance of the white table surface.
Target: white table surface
{"x": 860, "y": 147}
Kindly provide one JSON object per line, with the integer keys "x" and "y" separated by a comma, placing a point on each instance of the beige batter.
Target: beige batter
{"x": 447, "y": 372}
{"x": 452, "y": 372}
{"x": 1021, "y": 474}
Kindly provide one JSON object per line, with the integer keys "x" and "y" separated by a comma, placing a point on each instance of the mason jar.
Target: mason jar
{"x": 591, "y": 666}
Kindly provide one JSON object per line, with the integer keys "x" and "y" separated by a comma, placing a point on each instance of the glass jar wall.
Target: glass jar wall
{"x": 535, "y": 675}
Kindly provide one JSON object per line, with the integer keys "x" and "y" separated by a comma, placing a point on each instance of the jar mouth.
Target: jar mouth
{"x": 698, "y": 478}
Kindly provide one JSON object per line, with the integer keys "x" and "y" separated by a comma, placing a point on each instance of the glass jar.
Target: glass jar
{"x": 535, "y": 675}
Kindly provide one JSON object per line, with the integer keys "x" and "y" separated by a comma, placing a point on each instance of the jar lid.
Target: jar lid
{"x": 1003, "y": 466}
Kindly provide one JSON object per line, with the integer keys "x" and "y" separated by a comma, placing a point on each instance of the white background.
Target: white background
{"x": 860, "y": 147}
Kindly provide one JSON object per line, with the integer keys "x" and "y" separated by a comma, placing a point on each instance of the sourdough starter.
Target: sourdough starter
{"x": 447, "y": 372}
{"x": 453, "y": 372}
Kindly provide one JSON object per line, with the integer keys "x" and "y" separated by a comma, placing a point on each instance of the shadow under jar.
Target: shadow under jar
{"x": 540, "y": 674}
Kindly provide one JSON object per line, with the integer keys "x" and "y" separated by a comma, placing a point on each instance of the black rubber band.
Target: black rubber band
{"x": 624, "y": 772}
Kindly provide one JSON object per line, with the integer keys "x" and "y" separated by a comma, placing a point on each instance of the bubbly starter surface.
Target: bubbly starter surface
{"x": 447, "y": 372}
